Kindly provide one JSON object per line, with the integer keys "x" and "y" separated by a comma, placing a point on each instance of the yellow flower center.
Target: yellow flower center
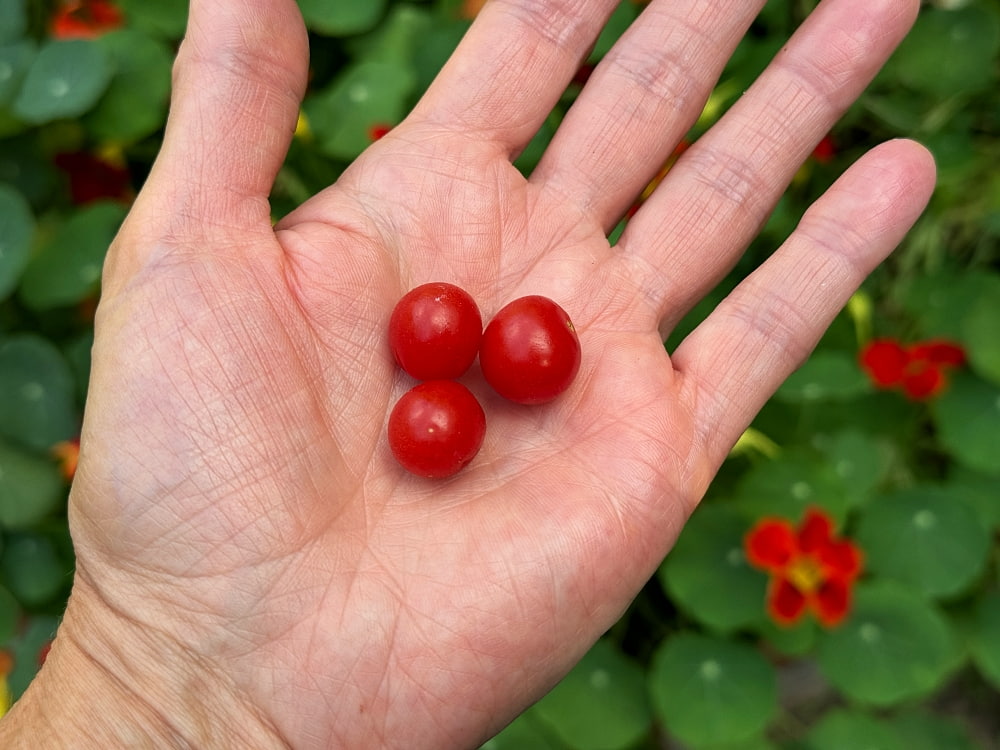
{"x": 805, "y": 574}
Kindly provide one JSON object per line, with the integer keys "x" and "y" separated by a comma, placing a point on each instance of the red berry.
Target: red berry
{"x": 436, "y": 428}
{"x": 530, "y": 352}
{"x": 434, "y": 331}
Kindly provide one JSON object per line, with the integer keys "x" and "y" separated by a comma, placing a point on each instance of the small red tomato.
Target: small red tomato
{"x": 434, "y": 331}
{"x": 530, "y": 352}
{"x": 436, "y": 428}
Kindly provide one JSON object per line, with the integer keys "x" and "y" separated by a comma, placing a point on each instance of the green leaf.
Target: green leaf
{"x": 860, "y": 461}
{"x": 15, "y": 60}
{"x": 980, "y": 328}
{"x": 10, "y": 613}
{"x": 164, "y": 18}
{"x": 13, "y": 20}
{"x": 37, "y": 409}
{"x": 601, "y": 704}
{"x": 521, "y": 734}
{"x": 922, "y": 730}
{"x": 950, "y": 51}
{"x": 712, "y": 690}
{"x": 33, "y": 570}
{"x": 17, "y": 228}
{"x": 25, "y": 647}
{"x": 707, "y": 574}
{"x": 30, "y": 487}
{"x": 827, "y": 375}
{"x": 940, "y": 302}
{"x": 984, "y": 637}
{"x": 791, "y": 483}
{"x": 341, "y": 17}
{"x": 396, "y": 38}
{"x": 967, "y": 416}
{"x": 840, "y": 729}
{"x": 135, "y": 104}
{"x": 65, "y": 79}
{"x": 925, "y": 537}
{"x": 622, "y": 17}
{"x": 895, "y": 646}
{"x": 68, "y": 268}
{"x": 364, "y": 95}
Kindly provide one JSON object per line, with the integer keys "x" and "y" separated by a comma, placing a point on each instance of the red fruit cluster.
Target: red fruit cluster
{"x": 919, "y": 370}
{"x": 529, "y": 353}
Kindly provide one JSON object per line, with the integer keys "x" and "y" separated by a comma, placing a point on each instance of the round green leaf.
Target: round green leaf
{"x": 967, "y": 416}
{"x": 37, "y": 408}
{"x": 10, "y": 613}
{"x": 15, "y": 59}
{"x": 26, "y": 646}
{"x": 364, "y": 95}
{"x": 895, "y": 646}
{"x": 922, "y": 730}
{"x": 940, "y": 302}
{"x": 707, "y": 574}
{"x": 30, "y": 487}
{"x": 68, "y": 268}
{"x": 840, "y": 729}
{"x": 860, "y": 461}
{"x": 135, "y": 104}
{"x": 32, "y": 569}
{"x": 711, "y": 690}
{"x": 826, "y": 375}
{"x": 950, "y": 51}
{"x": 982, "y": 342}
{"x": 620, "y": 20}
{"x": 397, "y": 37}
{"x": 521, "y": 734}
{"x": 164, "y": 18}
{"x": 601, "y": 704}
{"x": 985, "y": 637}
{"x": 65, "y": 79}
{"x": 791, "y": 483}
{"x": 341, "y": 18}
{"x": 17, "y": 227}
{"x": 926, "y": 537}
{"x": 13, "y": 19}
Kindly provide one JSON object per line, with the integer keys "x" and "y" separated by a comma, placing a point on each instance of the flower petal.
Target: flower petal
{"x": 884, "y": 360}
{"x": 815, "y": 531}
{"x": 771, "y": 544}
{"x": 921, "y": 383}
{"x": 785, "y": 603}
{"x": 832, "y": 601}
{"x": 939, "y": 352}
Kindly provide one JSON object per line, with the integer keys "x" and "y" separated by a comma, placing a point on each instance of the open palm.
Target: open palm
{"x": 236, "y": 502}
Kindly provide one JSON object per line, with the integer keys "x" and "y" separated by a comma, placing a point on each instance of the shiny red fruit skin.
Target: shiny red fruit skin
{"x": 434, "y": 331}
{"x": 436, "y": 428}
{"x": 530, "y": 352}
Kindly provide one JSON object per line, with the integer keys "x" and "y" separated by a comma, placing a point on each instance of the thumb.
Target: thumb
{"x": 238, "y": 82}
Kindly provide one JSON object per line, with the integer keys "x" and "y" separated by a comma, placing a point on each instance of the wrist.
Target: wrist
{"x": 109, "y": 683}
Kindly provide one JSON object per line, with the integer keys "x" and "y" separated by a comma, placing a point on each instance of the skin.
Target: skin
{"x": 254, "y": 569}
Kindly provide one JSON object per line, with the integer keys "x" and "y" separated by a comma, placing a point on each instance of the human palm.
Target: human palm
{"x": 236, "y": 495}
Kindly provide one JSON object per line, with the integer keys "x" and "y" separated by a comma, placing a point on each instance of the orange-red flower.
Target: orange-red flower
{"x": 825, "y": 150}
{"x": 85, "y": 19}
{"x": 809, "y": 568}
{"x": 93, "y": 178}
{"x": 67, "y": 454}
{"x": 918, "y": 370}
{"x": 378, "y": 130}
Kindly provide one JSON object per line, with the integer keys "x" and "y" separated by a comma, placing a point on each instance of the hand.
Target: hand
{"x": 254, "y": 569}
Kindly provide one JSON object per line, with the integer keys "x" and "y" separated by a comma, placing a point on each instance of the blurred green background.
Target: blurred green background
{"x": 699, "y": 660}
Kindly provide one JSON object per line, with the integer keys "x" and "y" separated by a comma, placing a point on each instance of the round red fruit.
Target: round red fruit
{"x": 530, "y": 352}
{"x": 434, "y": 331}
{"x": 436, "y": 428}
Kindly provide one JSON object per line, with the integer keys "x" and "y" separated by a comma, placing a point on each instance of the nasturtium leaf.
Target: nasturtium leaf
{"x": 135, "y": 104}
{"x": 522, "y": 734}
{"x": 707, "y": 574}
{"x": 826, "y": 375}
{"x": 979, "y": 492}
{"x": 922, "y": 730}
{"x": 967, "y": 417}
{"x": 528, "y": 159}
{"x": 33, "y": 570}
{"x": 790, "y": 640}
{"x": 620, "y": 20}
{"x": 30, "y": 487}
{"x": 68, "y": 267}
{"x": 15, "y": 59}
{"x": 77, "y": 352}
{"x": 66, "y": 78}
{"x": 10, "y": 613}
{"x": 981, "y": 336}
{"x": 396, "y": 38}
{"x": 711, "y": 690}
{"x": 364, "y": 95}
{"x": 601, "y": 704}
{"x": 25, "y": 647}
{"x": 434, "y": 50}
{"x": 950, "y": 51}
{"x": 940, "y": 302}
{"x": 895, "y": 646}
{"x": 13, "y": 19}
{"x": 37, "y": 407}
{"x": 17, "y": 228}
{"x": 25, "y": 168}
{"x": 840, "y": 729}
{"x": 164, "y": 18}
{"x": 786, "y": 486}
{"x": 859, "y": 460}
{"x": 984, "y": 636}
{"x": 342, "y": 17}
{"x": 925, "y": 537}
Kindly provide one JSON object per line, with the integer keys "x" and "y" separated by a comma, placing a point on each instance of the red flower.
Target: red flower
{"x": 92, "y": 178}
{"x": 825, "y": 150}
{"x": 810, "y": 570}
{"x": 919, "y": 370}
{"x": 67, "y": 454}
{"x": 378, "y": 130}
{"x": 85, "y": 19}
